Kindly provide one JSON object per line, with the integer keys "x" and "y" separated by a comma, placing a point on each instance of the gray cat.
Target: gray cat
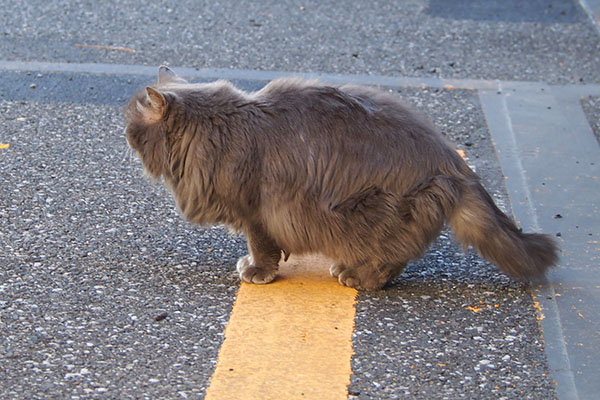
{"x": 346, "y": 171}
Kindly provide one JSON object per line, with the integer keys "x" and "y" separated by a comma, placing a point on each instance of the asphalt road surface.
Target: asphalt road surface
{"x": 105, "y": 292}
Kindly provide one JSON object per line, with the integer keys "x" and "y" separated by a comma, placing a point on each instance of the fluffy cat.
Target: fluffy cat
{"x": 349, "y": 172}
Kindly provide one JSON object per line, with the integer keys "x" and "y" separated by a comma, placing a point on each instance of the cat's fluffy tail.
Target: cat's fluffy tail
{"x": 475, "y": 220}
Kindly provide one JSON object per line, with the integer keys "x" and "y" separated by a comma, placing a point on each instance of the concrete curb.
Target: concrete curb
{"x": 264, "y": 76}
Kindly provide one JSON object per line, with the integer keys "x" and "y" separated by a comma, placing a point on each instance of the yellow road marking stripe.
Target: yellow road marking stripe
{"x": 290, "y": 339}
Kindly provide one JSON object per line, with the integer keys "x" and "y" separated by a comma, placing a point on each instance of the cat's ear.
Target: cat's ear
{"x": 155, "y": 108}
{"x": 166, "y": 75}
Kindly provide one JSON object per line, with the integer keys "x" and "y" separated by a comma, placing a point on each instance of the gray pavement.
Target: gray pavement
{"x": 106, "y": 293}
{"x": 539, "y": 40}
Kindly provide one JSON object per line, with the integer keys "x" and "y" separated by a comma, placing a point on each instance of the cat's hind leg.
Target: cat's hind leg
{"x": 366, "y": 276}
{"x": 262, "y": 264}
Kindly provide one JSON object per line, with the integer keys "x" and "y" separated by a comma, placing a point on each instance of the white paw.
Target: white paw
{"x": 254, "y": 274}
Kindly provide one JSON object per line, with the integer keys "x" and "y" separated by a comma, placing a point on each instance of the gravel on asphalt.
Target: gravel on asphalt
{"x": 106, "y": 291}
{"x": 542, "y": 40}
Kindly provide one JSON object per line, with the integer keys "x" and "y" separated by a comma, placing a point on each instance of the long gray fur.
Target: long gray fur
{"x": 301, "y": 167}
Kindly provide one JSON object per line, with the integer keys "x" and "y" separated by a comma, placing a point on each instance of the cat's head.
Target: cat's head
{"x": 146, "y": 117}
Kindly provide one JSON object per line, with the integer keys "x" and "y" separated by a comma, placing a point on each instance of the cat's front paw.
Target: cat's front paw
{"x": 255, "y": 273}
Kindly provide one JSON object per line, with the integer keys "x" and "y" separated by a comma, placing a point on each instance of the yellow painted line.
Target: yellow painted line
{"x": 290, "y": 339}
{"x": 4, "y": 146}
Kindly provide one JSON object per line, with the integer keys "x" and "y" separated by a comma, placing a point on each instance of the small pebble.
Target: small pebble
{"x": 161, "y": 316}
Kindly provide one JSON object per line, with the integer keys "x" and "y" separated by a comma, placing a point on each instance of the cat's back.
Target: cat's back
{"x": 313, "y": 94}
{"x": 347, "y": 128}
{"x": 349, "y": 111}
{"x": 284, "y": 87}
{"x": 355, "y": 103}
